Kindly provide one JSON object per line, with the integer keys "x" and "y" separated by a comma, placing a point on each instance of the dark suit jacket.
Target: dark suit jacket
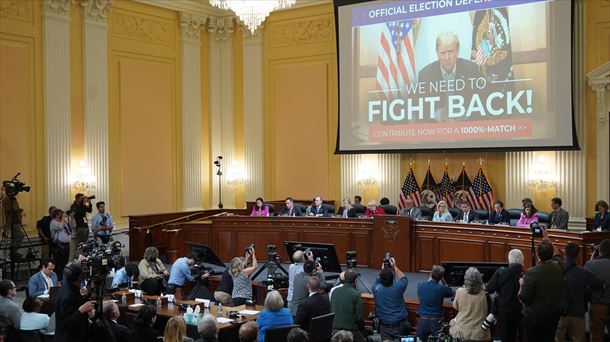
{"x": 314, "y": 306}
{"x": 121, "y": 333}
{"x": 145, "y": 334}
{"x": 599, "y": 222}
{"x": 414, "y": 213}
{"x": 70, "y": 324}
{"x": 324, "y": 210}
{"x": 296, "y": 211}
{"x": 495, "y": 218}
{"x": 350, "y": 213}
{"x": 472, "y": 216}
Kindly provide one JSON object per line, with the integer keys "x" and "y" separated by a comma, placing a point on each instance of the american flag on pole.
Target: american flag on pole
{"x": 446, "y": 189}
{"x": 396, "y": 60}
{"x": 409, "y": 189}
{"x": 482, "y": 192}
{"x": 462, "y": 190}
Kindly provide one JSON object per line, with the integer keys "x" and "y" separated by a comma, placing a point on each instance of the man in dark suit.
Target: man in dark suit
{"x": 290, "y": 209}
{"x": 315, "y": 305}
{"x": 467, "y": 215}
{"x": 318, "y": 208}
{"x": 499, "y": 215}
{"x": 449, "y": 67}
{"x": 410, "y": 210}
{"x": 72, "y": 311}
{"x": 111, "y": 313}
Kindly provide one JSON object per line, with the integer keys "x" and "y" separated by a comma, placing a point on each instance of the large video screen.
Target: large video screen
{"x": 445, "y": 75}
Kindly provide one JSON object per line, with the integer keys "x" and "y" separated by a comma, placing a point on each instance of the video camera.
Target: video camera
{"x": 249, "y": 248}
{"x": 101, "y": 259}
{"x": 15, "y": 186}
{"x": 199, "y": 269}
{"x": 386, "y": 261}
{"x": 350, "y": 257}
{"x": 536, "y": 229}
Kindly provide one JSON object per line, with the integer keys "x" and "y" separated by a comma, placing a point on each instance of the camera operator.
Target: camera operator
{"x": 60, "y": 242}
{"x": 80, "y": 207}
{"x": 152, "y": 272}
{"x": 180, "y": 273}
{"x": 599, "y": 311}
{"x": 123, "y": 277}
{"x": 72, "y": 312}
{"x": 101, "y": 223}
{"x": 12, "y": 221}
{"x": 389, "y": 302}
{"x": 300, "y": 292}
{"x": 240, "y": 272}
{"x": 293, "y": 269}
{"x": 431, "y": 295}
{"x": 44, "y": 232}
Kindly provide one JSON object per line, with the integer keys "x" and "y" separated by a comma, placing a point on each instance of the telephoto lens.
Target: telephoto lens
{"x": 489, "y": 321}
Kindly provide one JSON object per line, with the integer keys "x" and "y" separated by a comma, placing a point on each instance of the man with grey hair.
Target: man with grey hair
{"x": 110, "y": 311}
{"x": 208, "y": 329}
{"x": 316, "y": 304}
{"x": 248, "y": 332}
{"x": 342, "y": 336}
{"x": 298, "y": 258}
{"x": 506, "y": 306}
{"x": 431, "y": 295}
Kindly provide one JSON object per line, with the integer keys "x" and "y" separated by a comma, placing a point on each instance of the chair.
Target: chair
{"x": 359, "y": 208}
{"x": 271, "y": 209}
{"x": 331, "y": 209}
{"x": 278, "y": 334}
{"x": 544, "y": 217}
{"x": 301, "y": 207}
{"x": 389, "y": 209}
{"x": 426, "y": 212}
{"x": 455, "y": 212}
{"x": 515, "y": 214}
{"x": 482, "y": 214}
{"x": 29, "y": 336}
{"x": 321, "y": 327}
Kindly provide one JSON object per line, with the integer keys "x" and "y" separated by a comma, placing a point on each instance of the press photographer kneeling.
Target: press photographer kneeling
{"x": 180, "y": 273}
{"x": 389, "y": 300}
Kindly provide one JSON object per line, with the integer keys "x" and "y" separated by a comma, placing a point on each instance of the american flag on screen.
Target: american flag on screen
{"x": 446, "y": 189}
{"x": 396, "y": 60}
{"x": 409, "y": 189}
{"x": 482, "y": 192}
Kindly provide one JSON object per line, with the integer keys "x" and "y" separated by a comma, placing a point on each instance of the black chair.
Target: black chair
{"x": 426, "y": 212}
{"x": 482, "y": 214}
{"x": 389, "y": 209}
{"x": 29, "y": 336}
{"x": 544, "y": 217}
{"x": 278, "y": 334}
{"x": 301, "y": 207}
{"x": 455, "y": 212}
{"x": 359, "y": 208}
{"x": 271, "y": 209}
{"x": 515, "y": 214}
{"x": 321, "y": 328}
{"x": 331, "y": 209}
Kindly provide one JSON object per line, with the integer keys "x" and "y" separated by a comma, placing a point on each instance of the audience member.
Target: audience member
{"x": 61, "y": 235}
{"x": 72, "y": 311}
{"x": 499, "y": 215}
{"x": 599, "y": 310}
{"x": 471, "y": 303}
{"x": 124, "y": 276}
{"x": 578, "y": 281}
{"x": 44, "y": 232}
{"x": 373, "y": 210}
{"x": 528, "y": 216}
{"x": 318, "y": 208}
{"x": 142, "y": 326}
{"x": 542, "y": 295}
{"x": 506, "y": 306}
{"x": 208, "y": 329}
{"x": 180, "y": 273}
{"x": 290, "y": 209}
{"x": 343, "y": 336}
{"x": 298, "y": 258}
{"x": 410, "y": 210}
{"x": 224, "y": 288}
{"x": 152, "y": 272}
{"x": 346, "y": 303}
{"x": 389, "y": 302}
{"x": 274, "y": 315}
{"x": 260, "y": 208}
{"x": 248, "y": 332}
{"x": 175, "y": 330}
{"x": 431, "y": 295}
{"x": 300, "y": 292}
{"x": 466, "y": 215}
{"x": 32, "y": 319}
{"x": 42, "y": 281}
{"x": 602, "y": 219}
{"x": 242, "y": 286}
{"x": 8, "y": 308}
{"x": 559, "y": 217}
{"x": 101, "y": 223}
{"x": 110, "y": 311}
{"x": 4, "y": 328}
{"x": 347, "y": 210}
{"x": 341, "y": 281}
{"x": 313, "y": 306}
{"x": 298, "y": 335}
{"x": 442, "y": 214}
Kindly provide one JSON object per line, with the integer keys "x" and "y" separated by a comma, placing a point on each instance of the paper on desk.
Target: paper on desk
{"x": 206, "y": 302}
{"x": 248, "y": 312}
{"x": 223, "y": 320}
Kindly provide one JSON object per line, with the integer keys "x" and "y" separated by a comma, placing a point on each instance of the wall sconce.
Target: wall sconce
{"x": 367, "y": 175}
{"x": 235, "y": 175}
{"x": 542, "y": 177}
{"x": 83, "y": 181}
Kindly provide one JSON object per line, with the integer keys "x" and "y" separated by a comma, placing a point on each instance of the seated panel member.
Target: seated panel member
{"x": 318, "y": 208}
{"x": 499, "y": 215}
{"x": 559, "y": 217}
{"x": 410, "y": 210}
{"x": 290, "y": 209}
{"x": 180, "y": 273}
{"x": 602, "y": 219}
{"x": 528, "y": 216}
{"x": 373, "y": 210}
{"x": 347, "y": 210}
{"x": 467, "y": 215}
{"x": 389, "y": 302}
{"x": 260, "y": 208}
{"x": 124, "y": 276}
{"x": 41, "y": 282}
{"x": 442, "y": 214}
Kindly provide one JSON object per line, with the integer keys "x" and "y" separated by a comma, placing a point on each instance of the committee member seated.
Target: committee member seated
{"x": 142, "y": 326}
{"x": 180, "y": 273}
{"x": 389, "y": 302}
{"x": 601, "y": 222}
{"x": 431, "y": 295}
{"x": 300, "y": 292}
{"x": 319, "y": 208}
{"x": 559, "y": 216}
{"x": 41, "y": 282}
{"x": 260, "y": 208}
{"x": 316, "y": 304}
{"x": 293, "y": 269}
{"x": 467, "y": 215}
{"x": 241, "y": 271}
{"x": 207, "y": 329}
{"x": 32, "y": 319}
{"x": 373, "y": 210}
{"x": 471, "y": 303}
{"x": 248, "y": 332}
{"x": 8, "y": 308}
{"x": 110, "y": 311}
{"x": 124, "y": 276}
{"x": 347, "y": 210}
{"x": 152, "y": 272}
{"x": 410, "y": 210}
{"x": 346, "y": 303}
{"x": 274, "y": 315}
{"x": 442, "y": 214}
{"x": 528, "y": 216}
{"x": 290, "y": 209}
{"x": 499, "y": 215}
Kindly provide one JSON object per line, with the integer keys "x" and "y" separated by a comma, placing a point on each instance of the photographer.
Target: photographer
{"x": 300, "y": 292}
{"x": 599, "y": 311}
{"x": 180, "y": 273}
{"x": 431, "y": 295}
{"x": 242, "y": 285}
{"x": 60, "y": 242}
{"x": 389, "y": 301}
{"x": 293, "y": 269}
{"x": 101, "y": 223}
{"x": 152, "y": 272}
{"x": 44, "y": 232}
{"x": 124, "y": 276}
{"x": 80, "y": 207}
{"x": 12, "y": 221}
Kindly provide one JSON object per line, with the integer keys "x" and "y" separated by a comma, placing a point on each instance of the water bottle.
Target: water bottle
{"x": 123, "y": 299}
{"x": 219, "y": 310}
{"x": 158, "y": 302}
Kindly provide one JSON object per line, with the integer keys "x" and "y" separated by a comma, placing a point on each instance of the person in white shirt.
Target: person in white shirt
{"x": 32, "y": 319}
{"x": 41, "y": 282}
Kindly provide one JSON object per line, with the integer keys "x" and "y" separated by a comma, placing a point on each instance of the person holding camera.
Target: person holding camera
{"x": 152, "y": 272}
{"x": 389, "y": 301}
{"x": 180, "y": 273}
{"x": 599, "y": 310}
{"x": 431, "y": 295}
{"x": 300, "y": 293}
{"x": 240, "y": 272}
{"x": 471, "y": 303}
{"x": 61, "y": 235}
{"x": 101, "y": 223}
{"x": 295, "y": 268}
{"x": 80, "y": 207}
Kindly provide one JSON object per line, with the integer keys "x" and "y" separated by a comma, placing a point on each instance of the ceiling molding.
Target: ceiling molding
{"x": 203, "y": 7}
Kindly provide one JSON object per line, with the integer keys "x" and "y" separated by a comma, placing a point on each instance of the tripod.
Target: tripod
{"x": 271, "y": 266}
{"x": 13, "y": 255}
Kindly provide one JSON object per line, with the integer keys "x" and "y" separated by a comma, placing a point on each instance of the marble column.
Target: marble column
{"x": 599, "y": 81}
